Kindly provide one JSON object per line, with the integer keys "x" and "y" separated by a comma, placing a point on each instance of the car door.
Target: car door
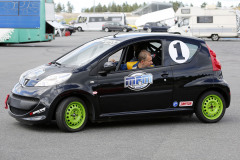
{"x": 116, "y": 92}
{"x": 191, "y": 68}
{"x": 158, "y": 27}
{"x": 135, "y": 91}
{"x": 119, "y": 26}
{"x": 154, "y": 27}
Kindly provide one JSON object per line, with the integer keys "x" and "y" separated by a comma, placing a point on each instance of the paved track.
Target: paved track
{"x": 170, "y": 138}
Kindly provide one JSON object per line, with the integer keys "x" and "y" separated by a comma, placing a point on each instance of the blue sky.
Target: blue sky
{"x": 79, "y": 4}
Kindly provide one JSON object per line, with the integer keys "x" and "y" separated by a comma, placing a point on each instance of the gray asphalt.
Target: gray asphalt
{"x": 169, "y": 138}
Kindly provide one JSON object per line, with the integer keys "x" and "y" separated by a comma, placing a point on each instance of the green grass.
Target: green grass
{"x": 70, "y": 19}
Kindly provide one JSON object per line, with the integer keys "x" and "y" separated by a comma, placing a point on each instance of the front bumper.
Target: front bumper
{"x": 30, "y": 104}
{"x": 27, "y": 109}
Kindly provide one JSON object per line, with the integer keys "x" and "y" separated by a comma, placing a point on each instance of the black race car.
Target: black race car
{"x": 85, "y": 84}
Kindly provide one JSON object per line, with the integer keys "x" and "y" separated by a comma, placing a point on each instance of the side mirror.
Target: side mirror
{"x": 107, "y": 67}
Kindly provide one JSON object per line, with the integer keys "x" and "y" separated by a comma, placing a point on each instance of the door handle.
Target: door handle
{"x": 164, "y": 74}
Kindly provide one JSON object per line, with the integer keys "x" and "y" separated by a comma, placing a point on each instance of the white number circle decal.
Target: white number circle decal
{"x": 179, "y": 51}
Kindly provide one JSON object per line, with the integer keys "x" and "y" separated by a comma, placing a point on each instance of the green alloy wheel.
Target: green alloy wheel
{"x": 71, "y": 114}
{"x": 211, "y": 107}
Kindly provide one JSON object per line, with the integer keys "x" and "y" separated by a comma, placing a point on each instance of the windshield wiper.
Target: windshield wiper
{"x": 54, "y": 62}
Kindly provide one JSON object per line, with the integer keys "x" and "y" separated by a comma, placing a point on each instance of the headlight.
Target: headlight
{"x": 54, "y": 79}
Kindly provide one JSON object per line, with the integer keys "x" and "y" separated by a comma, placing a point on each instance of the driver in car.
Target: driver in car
{"x": 144, "y": 61}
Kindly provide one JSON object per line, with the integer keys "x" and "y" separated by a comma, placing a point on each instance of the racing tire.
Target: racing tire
{"x": 215, "y": 37}
{"x": 210, "y": 107}
{"x": 106, "y": 30}
{"x": 149, "y": 30}
{"x": 71, "y": 115}
{"x": 125, "y": 30}
{"x": 79, "y": 29}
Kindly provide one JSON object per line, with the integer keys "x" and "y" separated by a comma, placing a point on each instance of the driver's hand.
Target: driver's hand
{"x": 112, "y": 60}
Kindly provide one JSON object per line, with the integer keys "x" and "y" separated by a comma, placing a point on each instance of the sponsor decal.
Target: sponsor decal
{"x": 138, "y": 81}
{"x": 178, "y": 51}
{"x": 185, "y": 103}
{"x": 175, "y": 104}
{"x": 38, "y": 111}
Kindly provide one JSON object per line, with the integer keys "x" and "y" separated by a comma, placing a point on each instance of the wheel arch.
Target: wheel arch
{"x": 219, "y": 90}
{"x": 78, "y": 94}
{"x": 177, "y": 33}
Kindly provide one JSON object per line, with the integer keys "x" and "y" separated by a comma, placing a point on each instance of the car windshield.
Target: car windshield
{"x": 87, "y": 52}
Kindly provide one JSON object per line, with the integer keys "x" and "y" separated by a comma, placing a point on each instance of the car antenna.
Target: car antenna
{"x": 115, "y": 35}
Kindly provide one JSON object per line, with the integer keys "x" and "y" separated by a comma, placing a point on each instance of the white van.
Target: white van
{"x": 210, "y": 22}
{"x": 94, "y": 21}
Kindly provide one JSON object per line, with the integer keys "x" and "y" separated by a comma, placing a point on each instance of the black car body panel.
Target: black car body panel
{"x": 108, "y": 97}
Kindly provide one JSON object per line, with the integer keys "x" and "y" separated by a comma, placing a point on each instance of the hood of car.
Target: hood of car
{"x": 31, "y": 77}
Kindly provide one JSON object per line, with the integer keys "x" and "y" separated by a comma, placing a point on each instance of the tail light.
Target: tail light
{"x": 216, "y": 64}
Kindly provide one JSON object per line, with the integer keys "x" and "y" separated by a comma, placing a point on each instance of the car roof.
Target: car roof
{"x": 129, "y": 36}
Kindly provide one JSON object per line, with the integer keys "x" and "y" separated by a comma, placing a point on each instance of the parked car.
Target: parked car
{"x": 85, "y": 84}
{"x": 155, "y": 27}
{"x": 134, "y": 27}
{"x": 115, "y": 26}
{"x": 70, "y": 28}
{"x": 65, "y": 28}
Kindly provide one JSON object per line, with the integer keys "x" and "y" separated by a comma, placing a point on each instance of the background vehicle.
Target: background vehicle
{"x": 115, "y": 26}
{"x": 134, "y": 27}
{"x": 211, "y": 23}
{"x": 155, "y": 27}
{"x": 70, "y": 28}
{"x": 94, "y": 21}
{"x": 31, "y": 18}
{"x": 165, "y": 16}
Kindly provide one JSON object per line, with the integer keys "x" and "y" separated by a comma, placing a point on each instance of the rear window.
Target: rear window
{"x": 178, "y": 51}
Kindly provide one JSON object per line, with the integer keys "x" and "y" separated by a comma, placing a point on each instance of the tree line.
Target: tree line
{"x": 125, "y": 7}
{"x": 61, "y": 7}
{"x": 113, "y": 7}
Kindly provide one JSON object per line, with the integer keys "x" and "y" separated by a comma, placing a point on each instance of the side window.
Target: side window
{"x": 82, "y": 20}
{"x": 155, "y": 48}
{"x": 185, "y": 22}
{"x": 205, "y": 19}
{"x": 180, "y": 51}
{"x": 116, "y": 56}
{"x": 130, "y": 54}
{"x": 192, "y": 49}
{"x": 92, "y": 19}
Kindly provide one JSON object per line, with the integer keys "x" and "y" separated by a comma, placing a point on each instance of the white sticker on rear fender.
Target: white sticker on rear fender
{"x": 178, "y": 51}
